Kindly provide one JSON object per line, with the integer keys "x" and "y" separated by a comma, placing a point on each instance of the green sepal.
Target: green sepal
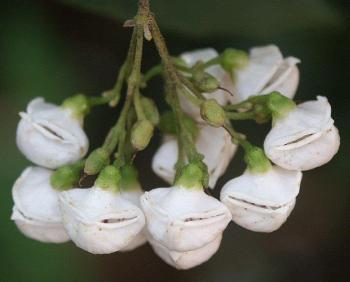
{"x": 96, "y": 161}
{"x": 78, "y": 104}
{"x": 66, "y": 176}
{"x": 205, "y": 82}
{"x": 279, "y": 105}
{"x": 232, "y": 59}
{"x": 109, "y": 178}
{"x": 129, "y": 177}
{"x": 256, "y": 160}
{"x": 191, "y": 176}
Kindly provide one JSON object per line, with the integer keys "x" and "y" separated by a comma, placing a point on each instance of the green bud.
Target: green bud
{"x": 66, "y": 176}
{"x": 262, "y": 114}
{"x": 109, "y": 178}
{"x": 205, "y": 82}
{"x": 256, "y": 160}
{"x": 78, "y": 104}
{"x": 213, "y": 113}
{"x": 96, "y": 161}
{"x": 150, "y": 110}
{"x": 129, "y": 178}
{"x": 178, "y": 62}
{"x": 141, "y": 134}
{"x": 191, "y": 177}
{"x": 279, "y": 105}
{"x": 232, "y": 59}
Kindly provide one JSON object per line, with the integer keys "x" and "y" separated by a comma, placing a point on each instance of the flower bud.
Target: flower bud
{"x": 97, "y": 160}
{"x": 188, "y": 259}
{"x": 36, "y": 210}
{"x": 265, "y": 72}
{"x": 50, "y": 136}
{"x": 262, "y": 201}
{"x": 213, "y": 113}
{"x": 232, "y": 59}
{"x": 205, "y": 82}
{"x": 141, "y": 134}
{"x": 183, "y": 219}
{"x": 213, "y": 143}
{"x": 150, "y": 110}
{"x": 305, "y": 138}
{"x": 100, "y": 221}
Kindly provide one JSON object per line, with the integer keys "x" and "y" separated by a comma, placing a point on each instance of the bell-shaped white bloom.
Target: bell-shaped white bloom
{"x": 49, "y": 135}
{"x": 183, "y": 219}
{"x": 100, "y": 221}
{"x": 188, "y": 259}
{"x": 305, "y": 138}
{"x": 214, "y": 143}
{"x": 204, "y": 55}
{"x": 133, "y": 195}
{"x": 262, "y": 202}
{"x": 265, "y": 72}
{"x": 36, "y": 209}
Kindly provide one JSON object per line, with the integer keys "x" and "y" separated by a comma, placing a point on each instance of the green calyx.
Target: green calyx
{"x": 205, "y": 82}
{"x": 141, "y": 134}
{"x": 213, "y": 113}
{"x": 168, "y": 124}
{"x": 150, "y": 110}
{"x": 78, "y": 104}
{"x": 256, "y": 160}
{"x": 192, "y": 176}
{"x": 129, "y": 177}
{"x": 109, "y": 178}
{"x": 279, "y": 105}
{"x": 96, "y": 161}
{"x": 66, "y": 176}
{"x": 232, "y": 59}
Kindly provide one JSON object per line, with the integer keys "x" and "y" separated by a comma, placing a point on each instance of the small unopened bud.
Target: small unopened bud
{"x": 108, "y": 178}
{"x": 213, "y": 113}
{"x": 96, "y": 161}
{"x": 232, "y": 59}
{"x": 205, "y": 82}
{"x": 78, "y": 104}
{"x": 150, "y": 110}
{"x": 66, "y": 176}
{"x": 141, "y": 134}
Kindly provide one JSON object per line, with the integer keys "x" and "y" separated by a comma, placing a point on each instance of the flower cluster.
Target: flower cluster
{"x": 183, "y": 224}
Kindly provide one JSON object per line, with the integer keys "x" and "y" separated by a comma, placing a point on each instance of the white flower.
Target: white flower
{"x": 262, "y": 202}
{"x": 305, "y": 138}
{"x": 49, "y": 135}
{"x": 36, "y": 210}
{"x": 265, "y": 72}
{"x": 214, "y": 143}
{"x": 133, "y": 196}
{"x": 204, "y": 55}
{"x": 183, "y": 219}
{"x": 188, "y": 259}
{"x": 100, "y": 221}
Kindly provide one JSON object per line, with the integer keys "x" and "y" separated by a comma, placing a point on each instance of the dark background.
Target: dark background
{"x": 55, "y": 49}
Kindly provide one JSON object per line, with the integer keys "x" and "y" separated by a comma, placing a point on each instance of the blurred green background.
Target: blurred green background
{"x": 57, "y": 48}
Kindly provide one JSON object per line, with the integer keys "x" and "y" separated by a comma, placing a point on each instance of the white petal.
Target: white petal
{"x": 49, "y": 136}
{"x": 188, "y": 259}
{"x": 220, "y": 96}
{"x": 262, "y": 201}
{"x": 100, "y": 221}
{"x": 306, "y": 138}
{"x": 183, "y": 219}
{"x": 36, "y": 209}
{"x": 214, "y": 143}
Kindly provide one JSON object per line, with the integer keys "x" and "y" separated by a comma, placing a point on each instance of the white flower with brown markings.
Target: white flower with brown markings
{"x": 304, "y": 138}
{"x": 214, "y": 143}
{"x": 36, "y": 209}
{"x": 98, "y": 219}
{"x": 184, "y": 218}
{"x": 266, "y": 71}
{"x": 50, "y": 135}
{"x": 262, "y": 201}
